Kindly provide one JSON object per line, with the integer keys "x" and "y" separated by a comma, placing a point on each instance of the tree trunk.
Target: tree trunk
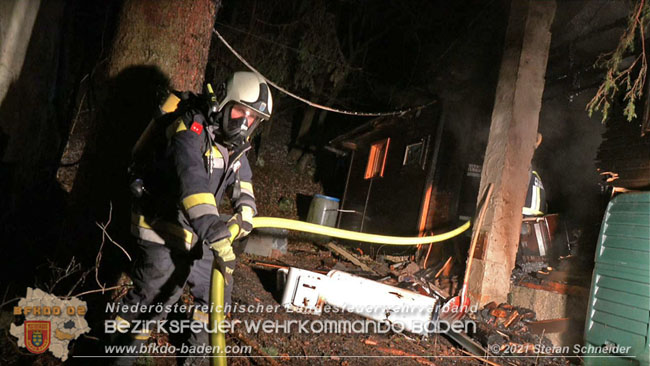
{"x": 157, "y": 45}
{"x": 302, "y": 142}
{"x": 171, "y": 35}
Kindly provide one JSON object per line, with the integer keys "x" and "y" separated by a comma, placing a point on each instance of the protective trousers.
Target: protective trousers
{"x": 159, "y": 275}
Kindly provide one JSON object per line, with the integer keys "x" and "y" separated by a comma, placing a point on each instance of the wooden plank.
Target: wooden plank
{"x": 557, "y": 287}
{"x": 511, "y": 319}
{"x": 443, "y": 268}
{"x": 349, "y": 256}
{"x": 559, "y": 325}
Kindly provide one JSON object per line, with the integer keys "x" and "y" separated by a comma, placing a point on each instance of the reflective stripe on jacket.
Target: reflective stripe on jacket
{"x": 536, "y": 197}
{"x": 194, "y": 178}
{"x": 162, "y": 232}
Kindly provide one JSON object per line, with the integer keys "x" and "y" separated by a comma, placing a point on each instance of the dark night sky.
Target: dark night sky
{"x": 406, "y": 43}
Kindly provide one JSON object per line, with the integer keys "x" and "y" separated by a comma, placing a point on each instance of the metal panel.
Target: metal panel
{"x": 619, "y": 307}
{"x": 626, "y": 231}
{"x": 603, "y": 333}
{"x": 628, "y": 218}
{"x": 634, "y": 244}
{"x": 618, "y": 272}
{"x": 637, "y": 288}
{"x": 626, "y": 311}
{"x": 619, "y": 322}
{"x": 625, "y": 256}
{"x": 621, "y": 297}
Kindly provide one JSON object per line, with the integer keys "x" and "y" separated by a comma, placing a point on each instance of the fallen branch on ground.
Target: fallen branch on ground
{"x": 349, "y": 256}
{"x": 102, "y": 290}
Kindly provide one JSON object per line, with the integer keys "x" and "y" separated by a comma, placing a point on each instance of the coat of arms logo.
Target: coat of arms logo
{"x": 37, "y": 335}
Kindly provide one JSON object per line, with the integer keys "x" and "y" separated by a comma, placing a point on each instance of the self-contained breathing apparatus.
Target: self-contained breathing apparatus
{"x": 233, "y": 113}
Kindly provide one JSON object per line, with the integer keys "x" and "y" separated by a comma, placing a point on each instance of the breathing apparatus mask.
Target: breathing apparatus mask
{"x": 239, "y": 107}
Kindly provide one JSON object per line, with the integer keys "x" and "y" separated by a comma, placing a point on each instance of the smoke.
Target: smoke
{"x": 565, "y": 161}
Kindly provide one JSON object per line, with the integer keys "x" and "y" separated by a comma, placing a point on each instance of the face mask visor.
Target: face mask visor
{"x": 242, "y": 122}
{"x": 246, "y": 117}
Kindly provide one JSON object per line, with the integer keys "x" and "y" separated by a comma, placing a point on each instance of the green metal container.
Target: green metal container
{"x": 619, "y": 304}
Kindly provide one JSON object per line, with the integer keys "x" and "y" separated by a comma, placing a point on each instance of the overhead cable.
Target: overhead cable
{"x": 313, "y": 104}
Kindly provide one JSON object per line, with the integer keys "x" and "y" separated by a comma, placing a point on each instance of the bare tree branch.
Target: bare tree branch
{"x": 105, "y": 235}
{"x": 59, "y": 274}
{"x": 9, "y": 301}
{"x": 81, "y": 280}
{"x": 102, "y": 290}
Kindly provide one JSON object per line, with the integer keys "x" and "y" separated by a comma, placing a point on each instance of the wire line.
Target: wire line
{"x": 282, "y": 45}
{"x": 313, "y": 104}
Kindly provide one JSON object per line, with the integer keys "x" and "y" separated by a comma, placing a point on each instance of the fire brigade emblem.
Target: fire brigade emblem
{"x": 37, "y": 335}
{"x": 196, "y": 127}
{"x": 50, "y": 323}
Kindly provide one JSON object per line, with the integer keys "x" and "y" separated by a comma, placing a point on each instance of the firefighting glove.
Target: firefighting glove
{"x": 244, "y": 222}
{"x": 225, "y": 255}
{"x": 223, "y": 247}
{"x": 226, "y": 268}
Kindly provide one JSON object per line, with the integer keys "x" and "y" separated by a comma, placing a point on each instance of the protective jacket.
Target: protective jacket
{"x": 535, "y": 197}
{"x": 187, "y": 183}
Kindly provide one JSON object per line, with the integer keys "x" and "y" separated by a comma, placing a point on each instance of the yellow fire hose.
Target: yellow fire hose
{"x": 218, "y": 339}
{"x": 278, "y": 223}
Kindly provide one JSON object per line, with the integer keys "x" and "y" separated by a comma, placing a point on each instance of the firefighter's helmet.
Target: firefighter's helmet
{"x": 245, "y": 101}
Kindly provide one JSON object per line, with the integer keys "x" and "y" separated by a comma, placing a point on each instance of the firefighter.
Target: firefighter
{"x": 176, "y": 220}
{"x": 535, "y": 204}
